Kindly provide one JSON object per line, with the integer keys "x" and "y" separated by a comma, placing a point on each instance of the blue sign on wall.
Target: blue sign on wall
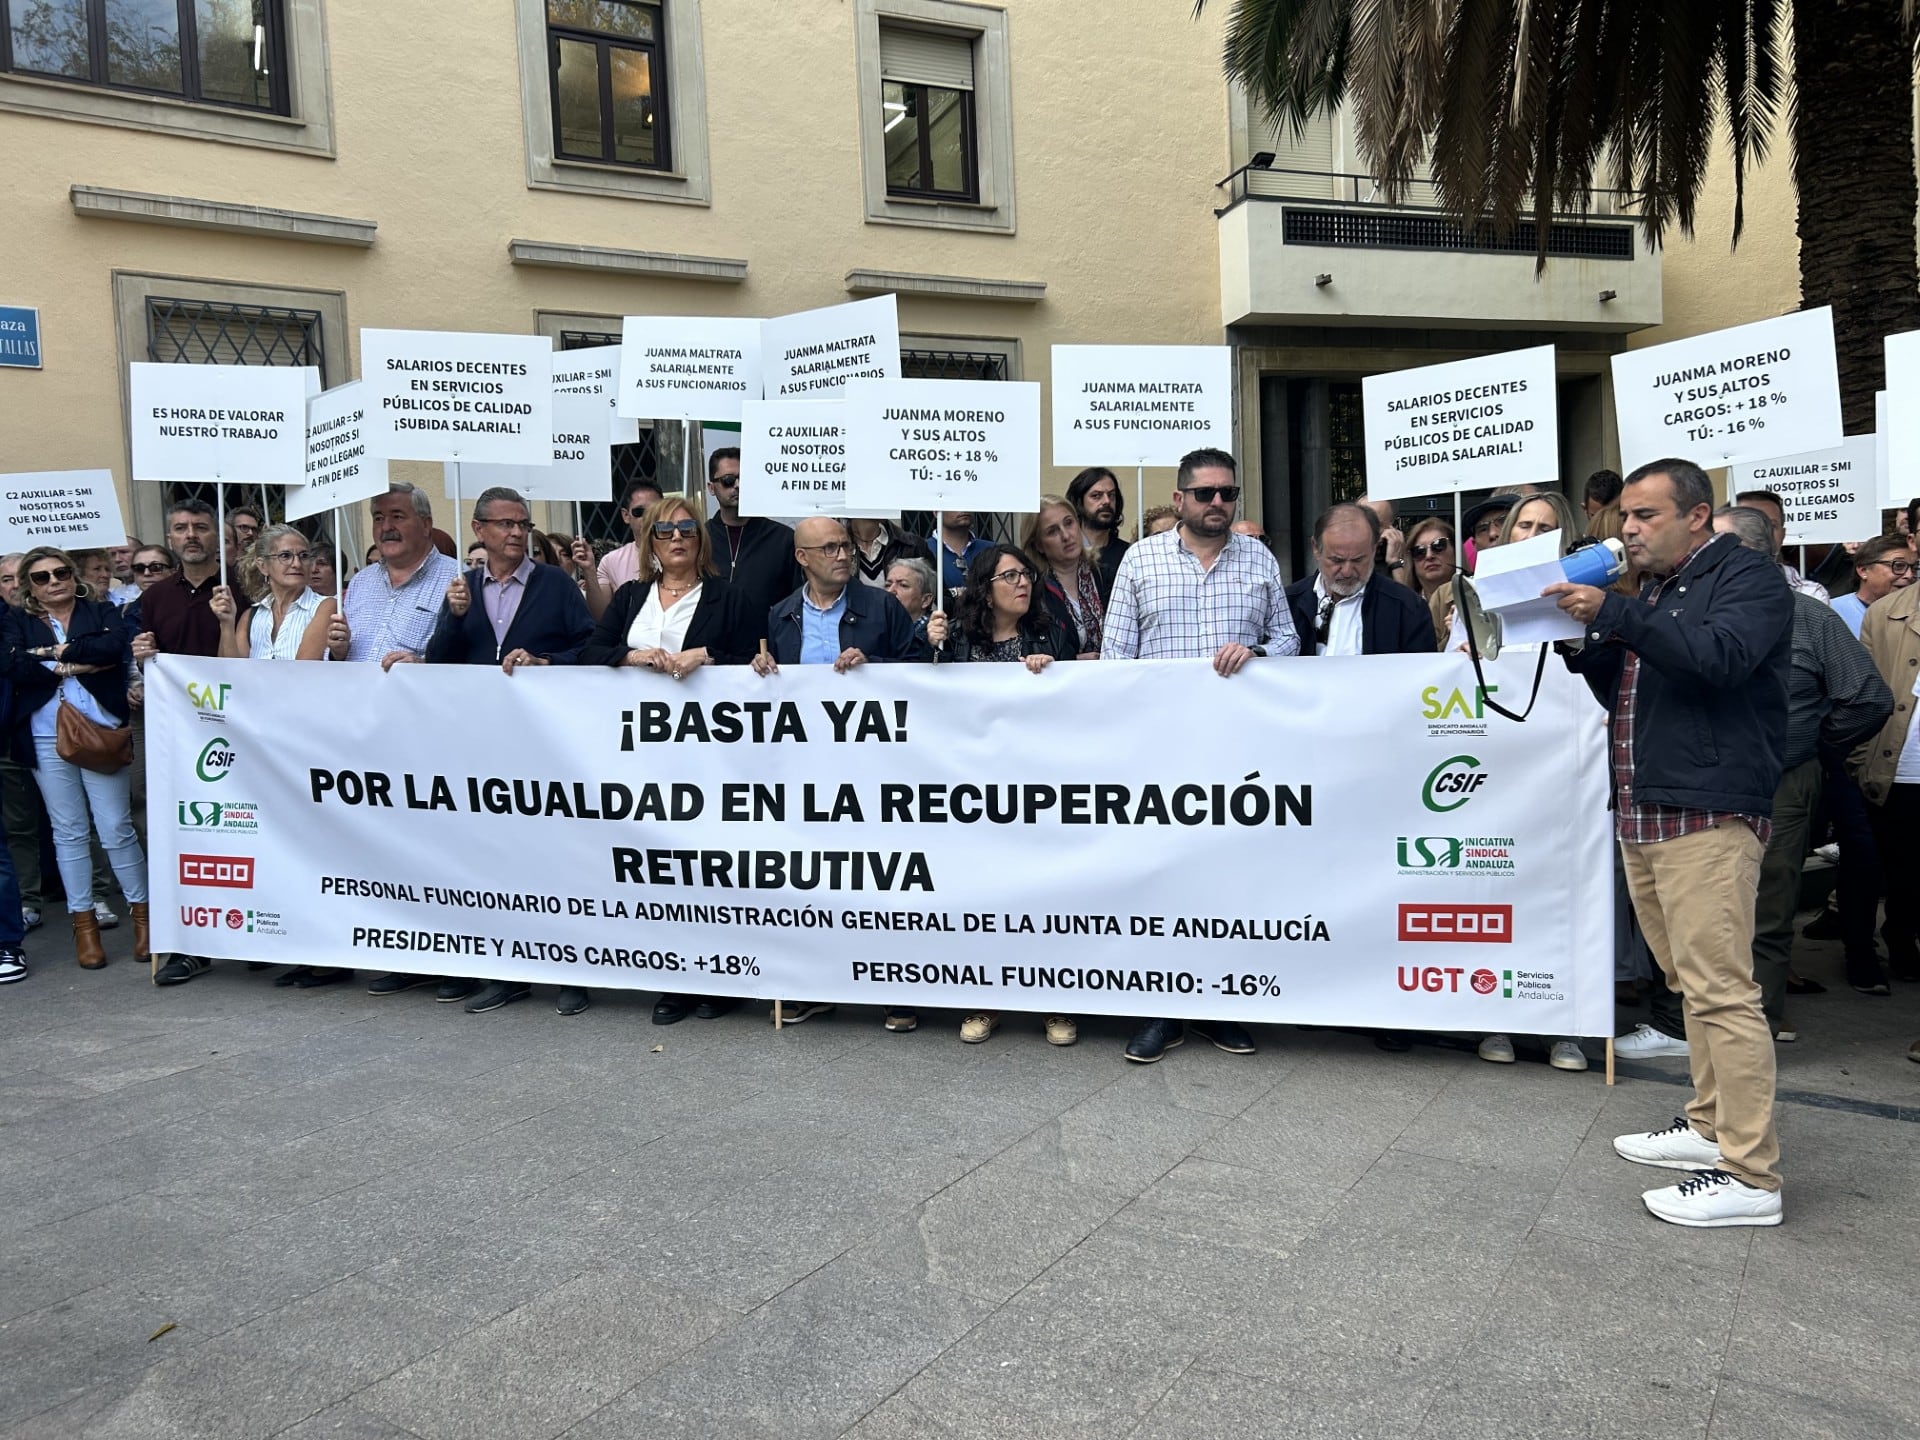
{"x": 19, "y": 337}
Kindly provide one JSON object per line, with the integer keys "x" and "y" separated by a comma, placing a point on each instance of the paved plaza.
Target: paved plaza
{"x": 367, "y": 1219}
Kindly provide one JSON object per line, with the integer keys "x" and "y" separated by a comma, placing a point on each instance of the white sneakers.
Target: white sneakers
{"x": 1497, "y": 1048}
{"x": 1643, "y": 1042}
{"x": 1710, "y": 1199}
{"x": 1567, "y": 1055}
{"x": 1678, "y": 1147}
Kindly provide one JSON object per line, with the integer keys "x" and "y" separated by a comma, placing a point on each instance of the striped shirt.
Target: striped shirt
{"x": 1167, "y": 606}
{"x": 263, "y": 644}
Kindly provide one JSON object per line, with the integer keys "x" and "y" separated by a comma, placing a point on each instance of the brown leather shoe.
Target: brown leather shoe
{"x": 86, "y": 940}
{"x": 142, "y": 933}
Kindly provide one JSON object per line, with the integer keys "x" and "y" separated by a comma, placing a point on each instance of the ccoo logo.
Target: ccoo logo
{"x": 216, "y": 760}
{"x": 226, "y": 872}
{"x": 1457, "y": 924}
{"x": 1452, "y": 783}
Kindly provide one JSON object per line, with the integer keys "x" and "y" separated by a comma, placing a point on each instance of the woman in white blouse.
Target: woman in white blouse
{"x": 282, "y": 626}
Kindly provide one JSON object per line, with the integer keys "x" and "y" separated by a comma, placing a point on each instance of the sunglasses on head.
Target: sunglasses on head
{"x": 667, "y": 529}
{"x": 1205, "y": 493}
{"x": 1438, "y": 546}
{"x": 50, "y": 577}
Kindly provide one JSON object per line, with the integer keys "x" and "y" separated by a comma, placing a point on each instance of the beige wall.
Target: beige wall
{"x": 1709, "y": 286}
{"x": 1118, "y": 141}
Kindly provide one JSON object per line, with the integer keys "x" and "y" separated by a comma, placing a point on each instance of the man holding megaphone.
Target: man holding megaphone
{"x": 1694, "y": 676}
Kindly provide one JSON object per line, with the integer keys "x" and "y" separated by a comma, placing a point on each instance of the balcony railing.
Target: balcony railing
{"x": 1274, "y": 182}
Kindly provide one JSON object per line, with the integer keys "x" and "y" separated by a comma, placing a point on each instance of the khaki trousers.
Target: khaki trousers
{"x": 1695, "y": 900}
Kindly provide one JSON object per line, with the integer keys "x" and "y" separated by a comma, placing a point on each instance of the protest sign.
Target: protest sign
{"x": 454, "y": 395}
{"x": 1485, "y": 423}
{"x": 595, "y": 370}
{"x": 1140, "y": 404}
{"x": 339, "y": 469}
{"x": 944, "y": 445}
{"x": 681, "y": 367}
{"x": 1882, "y": 466}
{"x": 581, "y": 465}
{"x": 1826, "y": 495}
{"x": 1753, "y": 392}
{"x": 1902, "y": 427}
{"x": 813, "y": 354}
{"x": 907, "y": 834}
{"x": 74, "y": 509}
{"x": 206, "y": 423}
{"x": 793, "y": 459}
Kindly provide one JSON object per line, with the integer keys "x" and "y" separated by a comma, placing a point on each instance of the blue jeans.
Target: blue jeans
{"x": 70, "y": 792}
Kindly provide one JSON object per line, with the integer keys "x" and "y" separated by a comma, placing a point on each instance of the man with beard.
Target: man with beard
{"x": 391, "y": 607}
{"x": 175, "y": 611}
{"x": 1095, "y": 494}
{"x": 755, "y": 556}
{"x": 1347, "y": 607}
{"x": 1198, "y": 592}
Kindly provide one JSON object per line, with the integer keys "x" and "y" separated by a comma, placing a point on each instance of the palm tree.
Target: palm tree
{"x": 1515, "y": 104}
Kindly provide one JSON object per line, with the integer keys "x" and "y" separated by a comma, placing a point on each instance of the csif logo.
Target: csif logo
{"x": 1452, "y": 783}
{"x": 1438, "y": 704}
{"x": 216, "y": 760}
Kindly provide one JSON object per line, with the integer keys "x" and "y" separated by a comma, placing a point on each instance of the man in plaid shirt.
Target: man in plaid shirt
{"x": 1198, "y": 592}
{"x": 1695, "y": 676}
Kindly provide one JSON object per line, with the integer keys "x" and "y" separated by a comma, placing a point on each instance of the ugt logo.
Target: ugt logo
{"x": 1431, "y": 852}
{"x": 208, "y": 697}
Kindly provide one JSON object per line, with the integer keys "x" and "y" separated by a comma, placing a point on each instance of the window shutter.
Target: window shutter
{"x": 920, "y": 57}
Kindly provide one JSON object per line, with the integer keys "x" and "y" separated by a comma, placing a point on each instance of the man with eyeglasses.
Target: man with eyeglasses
{"x": 1198, "y": 592}
{"x": 1883, "y": 565}
{"x": 618, "y": 566}
{"x": 756, "y": 555}
{"x": 1347, "y": 607}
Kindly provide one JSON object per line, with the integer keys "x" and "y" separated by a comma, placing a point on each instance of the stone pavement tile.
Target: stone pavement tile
{"x": 542, "y": 1368}
{"x": 1376, "y": 1403}
{"x": 483, "y": 1275}
{"x": 57, "y": 1354}
{"x": 1508, "y": 1116}
{"x": 216, "y": 1391}
{"x": 1205, "y": 1202}
{"x": 990, "y": 1232}
{"x": 1772, "y": 1400}
{"x": 351, "y": 1333}
{"x": 212, "y": 1282}
{"x": 272, "y": 1180}
{"x": 949, "y": 1121}
{"x": 25, "y": 1093}
{"x": 1199, "y": 1077}
{"x": 345, "y": 1421}
{"x": 1583, "y": 1338}
{"x": 1119, "y": 1137}
{"x": 808, "y": 1364}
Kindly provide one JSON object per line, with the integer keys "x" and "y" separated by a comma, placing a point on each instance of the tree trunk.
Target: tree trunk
{"x": 1853, "y": 169}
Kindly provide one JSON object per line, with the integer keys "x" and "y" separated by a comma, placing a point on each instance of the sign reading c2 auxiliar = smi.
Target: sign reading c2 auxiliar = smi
{"x": 452, "y": 395}
{"x": 1485, "y": 423}
{"x": 74, "y": 509}
{"x": 340, "y": 471}
{"x": 1826, "y": 496}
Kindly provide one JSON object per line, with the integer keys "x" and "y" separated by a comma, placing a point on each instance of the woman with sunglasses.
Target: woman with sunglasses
{"x": 289, "y": 622}
{"x": 151, "y": 565}
{"x": 1429, "y": 556}
{"x": 68, "y": 648}
{"x": 677, "y": 616}
{"x": 995, "y": 618}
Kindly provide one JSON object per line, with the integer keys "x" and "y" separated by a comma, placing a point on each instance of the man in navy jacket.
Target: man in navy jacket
{"x": 1694, "y": 676}
{"x": 829, "y": 621}
{"x": 528, "y": 614}
{"x": 1346, "y": 607}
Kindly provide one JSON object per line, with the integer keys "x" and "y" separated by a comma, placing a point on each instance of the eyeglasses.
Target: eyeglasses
{"x": 728, "y": 482}
{"x": 518, "y": 526}
{"x": 151, "y": 567}
{"x": 1898, "y": 567}
{"x": 1205, "y": 493}
{"x": 50, "y": 577}
{"x": 291, "y": 557}
{"x": 1432, "y": 547}
{"x": 667, "y": 529}
{"x": 1015, "y": 577}
{"x": 833, "y": 549}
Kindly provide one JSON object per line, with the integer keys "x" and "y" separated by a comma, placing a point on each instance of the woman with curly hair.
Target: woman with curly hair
{"x": 289, "y": 621}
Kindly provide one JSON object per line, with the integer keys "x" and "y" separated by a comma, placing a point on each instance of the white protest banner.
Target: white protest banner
{"x": 581, "y": 466}
{"x": 813, "y": 354}
{"x": 688, "y": 367}
{"x": 455, "y": 395}
{"x": 1140, "y": 404}
{"x": 74, "y": 509}
{"x": 907, "y": 834}
{"x": 1902, "y": 425}
{"x": 339, "y": 469}
{"x": 944, "y": 445}
{"x": 1882, "y": 467}
{"x": 245, "y": 423}
{"x": 595, "y": 370}
{"x": 1753, "y": 392}
{"x": 1828, "y": 496}
{"x": 793, "y": 459}
{"x": 1486, "y": 423}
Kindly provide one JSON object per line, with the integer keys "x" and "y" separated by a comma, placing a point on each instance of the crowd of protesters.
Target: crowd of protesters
{"x": 1817, "y": 739}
